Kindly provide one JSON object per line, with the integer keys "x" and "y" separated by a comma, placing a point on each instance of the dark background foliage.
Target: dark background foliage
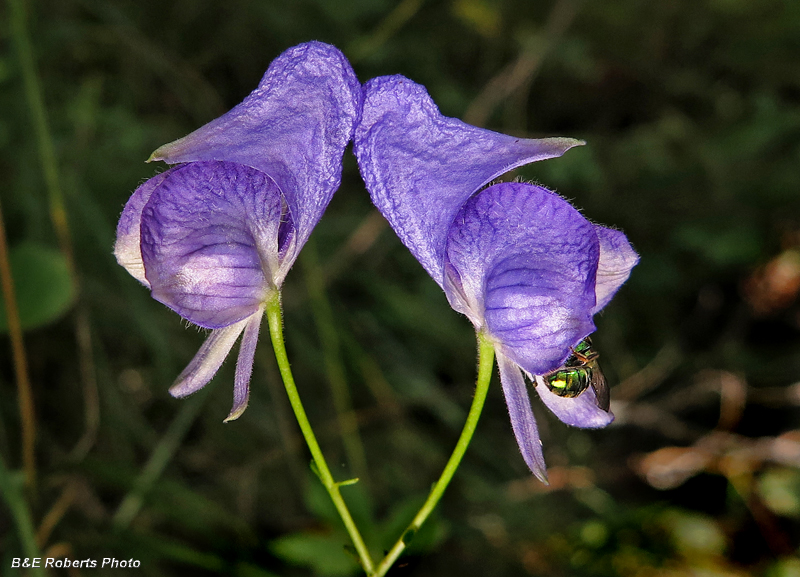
{"x": 691, "y": 111}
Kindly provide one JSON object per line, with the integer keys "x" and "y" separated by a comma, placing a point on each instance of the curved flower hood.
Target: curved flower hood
{"x": 213, "y": 236}
{"x": 519, "y": 261}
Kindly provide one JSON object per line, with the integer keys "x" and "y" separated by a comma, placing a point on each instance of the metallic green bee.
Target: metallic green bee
{"x": 580, "y": 370}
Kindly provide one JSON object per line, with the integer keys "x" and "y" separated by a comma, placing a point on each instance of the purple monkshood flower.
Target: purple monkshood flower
{"x": 518, "y": 260}
{"x": 214, "y": 236}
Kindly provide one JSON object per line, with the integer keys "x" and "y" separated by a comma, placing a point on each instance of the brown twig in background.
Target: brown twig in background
{"x": 523, "y": 70}
{"x": 91, "y": 395}
{"x": 732, "y": 399}
{"x": 56, "y": 512}
{"x": 359, "y": 242}
{"x": 735, "y": 457}
{"x": 387, "y": 28}
{"x": 651, "y": 375}
{"x": 27, "y": 413}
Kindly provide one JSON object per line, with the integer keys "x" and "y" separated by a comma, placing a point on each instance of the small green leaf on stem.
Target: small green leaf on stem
{"x": 347, "y": 482}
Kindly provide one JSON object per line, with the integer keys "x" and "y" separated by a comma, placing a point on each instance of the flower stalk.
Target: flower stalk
{"x": 275, "y": 321}
{"x": 485, "y": 365}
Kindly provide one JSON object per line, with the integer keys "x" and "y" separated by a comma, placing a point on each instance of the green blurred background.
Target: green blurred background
{"x": 691, "y": 111}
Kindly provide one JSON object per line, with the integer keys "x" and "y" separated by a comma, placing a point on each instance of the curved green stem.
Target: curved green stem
{"x": 485, "y": 365}
{"x": 275, "y": 320}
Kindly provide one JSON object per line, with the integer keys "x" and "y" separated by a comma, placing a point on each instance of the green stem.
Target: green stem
{"x": 485, "y": 365}
{"x": 275, "y": 320}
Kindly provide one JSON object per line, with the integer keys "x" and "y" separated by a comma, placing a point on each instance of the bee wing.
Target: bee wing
{"x": 600, "y": 386}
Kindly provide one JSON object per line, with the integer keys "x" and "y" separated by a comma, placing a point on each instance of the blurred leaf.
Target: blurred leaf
{"x": 694, "y": 535}
{"x": 325, "y": 554}
{"x": 42, "y": 284}
{"x": 429, "y": 536}
{"x": 319, "y": 503}
{"x": 594, "y": 534}
{"x": 739, "y": 244}
{"x": 171, "y": 550}
{"x": 780, "y": 490}
{"x": 250, "y": 570}
{"x": 480, "y": 15}
{"x": 785, "y": 568}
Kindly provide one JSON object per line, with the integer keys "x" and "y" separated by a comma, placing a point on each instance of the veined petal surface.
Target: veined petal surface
{"x": 294, "y": 127}
{"x": 420, "y": 167}
{"x": 526, "y": 263}
{"x": 210, "y": 241}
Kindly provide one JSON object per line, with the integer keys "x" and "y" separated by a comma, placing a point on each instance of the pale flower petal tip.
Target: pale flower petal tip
{"x": 244, "y": 366}
{"x": 617, "y": 259}
{"x": 128, "y": 245}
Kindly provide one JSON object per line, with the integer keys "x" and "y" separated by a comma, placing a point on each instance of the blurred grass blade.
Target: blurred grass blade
{"x": 58, "y": 213}
{"x": 334, "y": 367}
{"x": 388, "y": 27}
{"x": 10, "y": 490}
{"x": 159, "y": 459}
{"x": 47, "y": 155}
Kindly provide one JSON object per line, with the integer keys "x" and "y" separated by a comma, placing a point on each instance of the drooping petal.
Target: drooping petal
{"x": 210, "y": 241}
{"x": 526, "y": 261}
{"x": 617, "y": 258}
{"x": 293, "y": 127}
{"x": 207, "y": 361}
{"x": 128, "y": 246}
{"x": 420, "y": 166}
{"x": 581, "y": 411}
{"x": 522, "y": 420}
{"x": 244, "y": 366}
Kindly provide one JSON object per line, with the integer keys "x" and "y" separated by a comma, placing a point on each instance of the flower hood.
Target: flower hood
{"x": 217, "y": 233}
{"x": 519, "y": 261}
